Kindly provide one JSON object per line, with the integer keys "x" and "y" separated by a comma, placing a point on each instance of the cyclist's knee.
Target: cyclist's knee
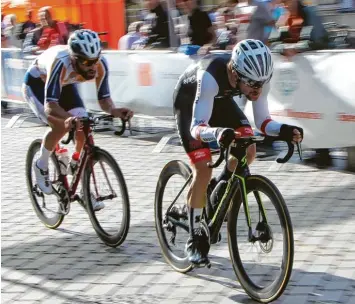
{"x": 58, "y": 130}
{"x": 201, "y": 171}
{"x": 251, "y": 153}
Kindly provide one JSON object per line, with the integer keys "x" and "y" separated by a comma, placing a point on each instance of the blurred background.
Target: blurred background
{"x": 170, "y": 23}
{"x": 314, "y": 89}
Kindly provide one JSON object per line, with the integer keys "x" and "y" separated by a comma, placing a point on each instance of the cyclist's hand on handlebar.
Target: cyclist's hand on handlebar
{"x": 291, "y": 133}
{"x": 225, "y": 136}
{"x": 123, "y": 113}
{"x": 71, "y": 122}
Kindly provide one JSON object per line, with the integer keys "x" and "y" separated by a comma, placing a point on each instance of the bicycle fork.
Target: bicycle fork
{"x": 251, "y": 237}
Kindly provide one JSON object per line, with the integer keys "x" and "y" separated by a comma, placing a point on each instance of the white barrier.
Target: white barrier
{"x": 315, "y": 91}
{"x": 143, "y": 80}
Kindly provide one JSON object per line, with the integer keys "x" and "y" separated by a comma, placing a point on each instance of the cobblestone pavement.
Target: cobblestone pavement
{"x": 71, "y": 265}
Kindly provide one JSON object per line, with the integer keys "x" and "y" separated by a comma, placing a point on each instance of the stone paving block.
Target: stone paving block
{"x": 125, "y": 290}
{"x": 117, "y": 278}
{"x": 331, "y": 296}
{"x": 141, "y": 280}
{"x": 101, "y": 289}
{"x": 158, "y": 289}
{"x": 296, "y": 299}
{"x": 34, "y": 295}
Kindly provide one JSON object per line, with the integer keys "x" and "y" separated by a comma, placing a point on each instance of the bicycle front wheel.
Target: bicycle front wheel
{"x": 103, "y": 182}
{"x": 263, "y": 265}
{"x": 46, "y": 206}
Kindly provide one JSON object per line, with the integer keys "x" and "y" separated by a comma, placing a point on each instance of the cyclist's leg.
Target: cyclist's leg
{"x": 71, "y": 102}
{"x": 33, "y": 93}
{"x": 227, "y": 114}
{"x": 197, "y": 245}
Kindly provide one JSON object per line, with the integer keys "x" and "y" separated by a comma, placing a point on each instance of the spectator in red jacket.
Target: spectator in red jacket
{"x": 51, "y": 32}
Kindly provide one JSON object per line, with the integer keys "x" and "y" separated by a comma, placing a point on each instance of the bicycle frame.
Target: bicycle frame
{"x": 84, "y": 157}
{"x": 241, "y": 172}
{"x": 238, "y": 178}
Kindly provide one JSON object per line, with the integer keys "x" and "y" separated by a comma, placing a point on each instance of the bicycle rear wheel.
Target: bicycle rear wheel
{"x": 103, "y": 180}
{"x": 45, "y": 206}
{"x": 176, "y": 173}
{"x": 264, "y": 279}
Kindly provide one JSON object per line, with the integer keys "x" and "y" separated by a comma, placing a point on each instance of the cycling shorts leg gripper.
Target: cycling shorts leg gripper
{"x": 199, "y": 155}
{"x": 245, "y": 131}
{"x": 79, "y": 112}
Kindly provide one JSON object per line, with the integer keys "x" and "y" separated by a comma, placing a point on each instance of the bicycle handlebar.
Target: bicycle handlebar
{"x": 247, "y": 141}
{"x": 88, "y": 122}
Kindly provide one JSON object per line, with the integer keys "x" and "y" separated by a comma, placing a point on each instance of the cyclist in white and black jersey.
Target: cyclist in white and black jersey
{"x": 205, "y": 112}
{"x": 50, "y": 88}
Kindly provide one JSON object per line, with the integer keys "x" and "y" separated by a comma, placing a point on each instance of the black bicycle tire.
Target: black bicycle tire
{"x": 272, "y": 292}
{"x": 172, "y": 168}
{"x": 118, "y": 238}
{"x": 33, "y": 148}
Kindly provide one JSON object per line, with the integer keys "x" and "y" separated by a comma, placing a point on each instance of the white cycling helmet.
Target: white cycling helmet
{"x": 85, "y": 43}
{"x": 252, "y": 59}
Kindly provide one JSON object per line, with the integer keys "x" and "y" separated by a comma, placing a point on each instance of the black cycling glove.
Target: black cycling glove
{"x": 286, "y": 132}
{"x": 225, "y": 136}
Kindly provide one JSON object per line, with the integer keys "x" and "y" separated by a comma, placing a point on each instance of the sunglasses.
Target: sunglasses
{"x": 87, "y": 62}
{"x": 252, "y": 83}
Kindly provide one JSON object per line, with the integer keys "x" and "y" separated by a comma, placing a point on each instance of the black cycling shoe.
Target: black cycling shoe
{"x": 197, "y": 248}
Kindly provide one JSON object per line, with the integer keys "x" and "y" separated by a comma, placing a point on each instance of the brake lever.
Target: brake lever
{"x": 299, "y": 150}
{"x": 123, "y": 128}
{"x": 218, "y": 161}
{"x": 69, "y": 138}
{"x": 291, "y": 149}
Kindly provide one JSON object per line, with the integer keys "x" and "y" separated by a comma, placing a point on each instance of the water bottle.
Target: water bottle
{"x": 218, "y": 193}
{"x": 73, "y": 163}
{"x": 63, "y": 160}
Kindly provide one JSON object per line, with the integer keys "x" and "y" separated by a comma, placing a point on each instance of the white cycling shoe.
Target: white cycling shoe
{"x": 43, "y": 181}
{"x": 96, "y": 205}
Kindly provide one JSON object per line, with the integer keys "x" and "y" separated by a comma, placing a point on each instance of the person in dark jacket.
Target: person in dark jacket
{"x": 26, "y": 26}
{"x": 160, "y": 24}
{"x": 201, "y": 31}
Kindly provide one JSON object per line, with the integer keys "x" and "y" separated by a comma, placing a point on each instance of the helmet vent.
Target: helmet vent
{"x": 255, "y": 65}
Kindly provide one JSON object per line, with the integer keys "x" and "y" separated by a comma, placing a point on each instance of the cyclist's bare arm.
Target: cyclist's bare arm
{"x": 107, "y": 105}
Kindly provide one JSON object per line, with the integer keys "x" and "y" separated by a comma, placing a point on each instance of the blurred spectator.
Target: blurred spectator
{"x": 220, "y": 26}
{"x": 51, "y": 32}
{"x": 126, "y": 41}
{"x": 3, "y": 26}
{"x": 26, "y": 27}
{"x": 143, "y": 40}
{"x": 160, "y": 25}
{"x": 228, "y": 38}
{"x": 309, "y": 17}
{"x": 10, "y": 31}
{"x": 213, "y": 14}
{"x": 347, "y": 6}
{"x": 260, "y": 18}
{"x": 201, "y": 31}
{"x": 279, "y": 14}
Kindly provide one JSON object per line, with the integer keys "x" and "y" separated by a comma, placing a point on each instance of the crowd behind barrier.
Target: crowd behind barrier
{"x": 315, "y": 90}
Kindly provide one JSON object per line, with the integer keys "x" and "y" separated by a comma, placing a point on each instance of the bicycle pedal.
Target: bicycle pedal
{"x": 202, "y": 265}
